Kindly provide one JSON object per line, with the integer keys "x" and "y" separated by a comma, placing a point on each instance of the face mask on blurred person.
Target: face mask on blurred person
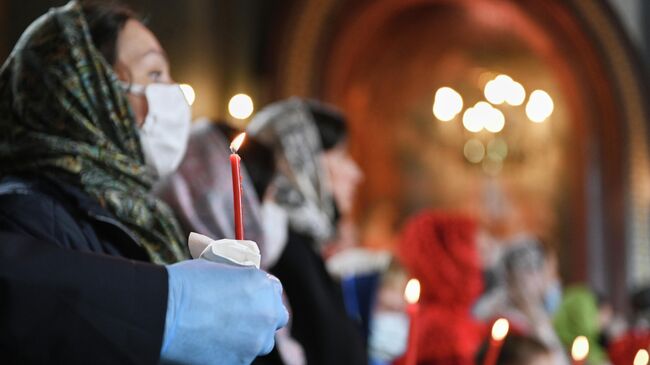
{"x": 166, "y": 128}
{"x": 553, "y": 297}
{"x": 388, "y": 335}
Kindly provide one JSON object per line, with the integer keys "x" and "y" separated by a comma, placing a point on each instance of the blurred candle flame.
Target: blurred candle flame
{"x": 237, "y": 142}
{"x": 412, "y": 291}
{"x": 580, "y": 348}
{"x": 500, "y": 329}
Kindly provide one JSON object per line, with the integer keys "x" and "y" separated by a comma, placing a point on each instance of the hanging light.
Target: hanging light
{"x": 516, "y": 94}
{"x": 495, "y": 120}
{"x": 474, "y": 151}
{"x": 496, "y": 90}
{"x": 472, "y": 120}
{"x": 188, "y": 92}
{"x": 447, "y": 103}
{"x": 240, "y": 106}
{"x": 539, "y": 107}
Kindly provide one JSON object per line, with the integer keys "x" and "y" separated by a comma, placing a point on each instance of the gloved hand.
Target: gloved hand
{"x": 220, "y": 314}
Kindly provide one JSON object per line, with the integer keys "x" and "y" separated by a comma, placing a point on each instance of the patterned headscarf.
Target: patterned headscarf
{"x": 63, "y": 116}
{"x": 301, "y": 186}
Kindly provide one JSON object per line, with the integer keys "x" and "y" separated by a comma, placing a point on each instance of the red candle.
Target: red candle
{"x": 412, "y": 295}
{"x": 579, "y": 350}
{"x": 235, "y": 162}
{"x": 499, "y": 332}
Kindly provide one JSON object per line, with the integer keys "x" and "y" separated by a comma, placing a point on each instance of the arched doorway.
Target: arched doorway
{"x": 382, "y": 60}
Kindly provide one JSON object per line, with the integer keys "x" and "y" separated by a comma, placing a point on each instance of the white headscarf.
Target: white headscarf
{"x": 301, "y": 186}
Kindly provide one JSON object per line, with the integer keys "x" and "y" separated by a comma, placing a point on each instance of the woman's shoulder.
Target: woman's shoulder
{"x": 20, "y": 194}
{"x": 33, "y": 206}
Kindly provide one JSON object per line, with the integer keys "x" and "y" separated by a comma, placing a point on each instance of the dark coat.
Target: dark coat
{"x": 59, "y": 306}
{"x": 63, "y": 215}
{"x": 319, "y": 321}
{"x": 58, "y": 302}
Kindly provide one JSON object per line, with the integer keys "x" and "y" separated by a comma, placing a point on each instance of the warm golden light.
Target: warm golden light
{"x": 580, "y": 348}
{"x": 237, "y": 142}
{"x": 516, "y": 94}
{"x": 412, "y": 291}
{"x": 472, "y": 120}
{"x": 188, "y": 92}
{"x": 539, "y": 107}
{"x": 492, "y": 166}
{"x": 474, "y": 151}
{"x": 642, "y": 357}
{"x": 447, "y": 103}
{"x": 495, "y": 120}
{"x": 240, "y": 106}
{"x": 497, "y": 149}
{"x": 500, "y": 329}
{"x": 497, "y": 90}
{"x": 483, "y": 115}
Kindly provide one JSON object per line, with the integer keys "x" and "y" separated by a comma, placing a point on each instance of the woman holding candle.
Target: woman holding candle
{"x": 91, "y": 119}
{"x": 314, "y": 185}
{"x": 201, "y": 192}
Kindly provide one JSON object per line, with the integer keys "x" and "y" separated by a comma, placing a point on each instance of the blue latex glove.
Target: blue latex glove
{"x": 220, "y": 314}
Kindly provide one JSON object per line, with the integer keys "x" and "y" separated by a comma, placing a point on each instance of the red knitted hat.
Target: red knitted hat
{"x": 439, "y": 249}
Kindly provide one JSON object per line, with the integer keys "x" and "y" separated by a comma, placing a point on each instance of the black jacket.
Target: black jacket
{"x": 319, "y": 321}
{"x": 63, "y": 215}
{"x": 59, "y": 306}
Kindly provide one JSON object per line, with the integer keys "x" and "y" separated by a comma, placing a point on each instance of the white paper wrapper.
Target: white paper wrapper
{"x": 242, "y": 253}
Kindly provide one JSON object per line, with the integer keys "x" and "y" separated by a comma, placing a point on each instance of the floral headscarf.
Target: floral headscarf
{"x": 63, "y": 116}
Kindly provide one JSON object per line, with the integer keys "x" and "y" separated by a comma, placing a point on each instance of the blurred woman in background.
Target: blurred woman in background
{"x": 529, "y": 296}
{"x": 440, "y": 250}
{"x": 315, "y": 182}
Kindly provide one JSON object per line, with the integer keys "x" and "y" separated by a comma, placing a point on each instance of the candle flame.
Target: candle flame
{"x": 412, "y": 291}
{"x": 580, "y": 348}
{"x": 500, "y": 329}
{"x": 642, "y": 357}
{"x": 237, "y": 142}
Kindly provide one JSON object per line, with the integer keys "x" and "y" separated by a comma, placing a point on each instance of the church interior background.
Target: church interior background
{"x": 564, "y": 82}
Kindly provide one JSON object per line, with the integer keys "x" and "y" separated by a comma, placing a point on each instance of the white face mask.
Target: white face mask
{"x": 389, "y": 333}
{"x": 275, "y": 224}
{"x": 166, "y": 128}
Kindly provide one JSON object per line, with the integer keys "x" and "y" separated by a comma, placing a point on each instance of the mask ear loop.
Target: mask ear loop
{"x": 130, "y": 87}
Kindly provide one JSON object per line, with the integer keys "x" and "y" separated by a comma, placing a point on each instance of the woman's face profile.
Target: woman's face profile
{"x": 140, "y": 60}
{"x": 345, "y": 175}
